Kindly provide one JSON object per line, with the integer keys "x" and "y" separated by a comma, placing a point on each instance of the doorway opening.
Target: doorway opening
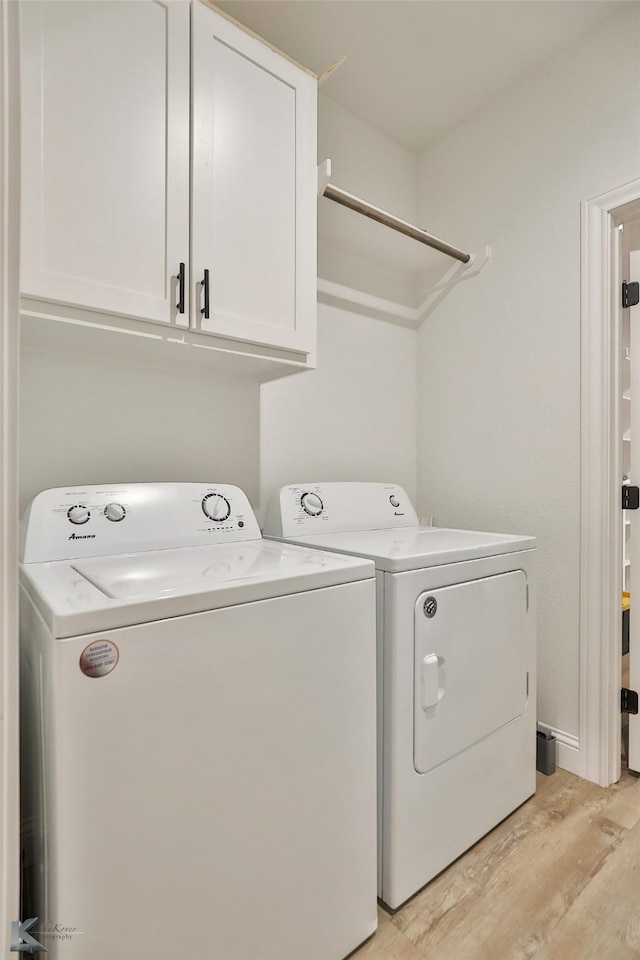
{"x": 628, "y": 221}
{"x": 601, "y": 468}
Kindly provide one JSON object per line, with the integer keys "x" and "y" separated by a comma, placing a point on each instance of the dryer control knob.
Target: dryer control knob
{"x": 78, "y": 514}
{"x": 312, "y": 504}
{"x": 115, "y": 512}
{"x": 216, "y": 507}
{"x": 394, "y": 501}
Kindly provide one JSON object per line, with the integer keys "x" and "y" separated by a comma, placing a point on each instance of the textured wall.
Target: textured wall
{"x": 499, "y": 361}
{"x": 354, "y": 418}
{"x": 85, "y": 420}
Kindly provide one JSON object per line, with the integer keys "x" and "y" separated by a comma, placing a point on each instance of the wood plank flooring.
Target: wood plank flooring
{"x": 557, "y": 880}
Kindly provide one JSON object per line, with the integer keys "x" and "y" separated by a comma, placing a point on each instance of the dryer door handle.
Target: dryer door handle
{"x": 432, "y": 692}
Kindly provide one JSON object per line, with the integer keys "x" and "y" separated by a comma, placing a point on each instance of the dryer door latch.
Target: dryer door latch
{"x": 630, "y": 497}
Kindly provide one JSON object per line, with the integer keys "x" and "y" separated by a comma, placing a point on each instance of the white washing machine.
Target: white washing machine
{"x": 456, "y": 669}
{"x": 198, "y": 731}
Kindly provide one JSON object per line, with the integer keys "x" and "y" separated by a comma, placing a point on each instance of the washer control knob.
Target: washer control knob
{"x": 312, "y": 504}
{"x": 78, "y": 513}
{"x": 394, "y": 501}
{"x": 216, "y": 507}
{"x": 115, "y": 512}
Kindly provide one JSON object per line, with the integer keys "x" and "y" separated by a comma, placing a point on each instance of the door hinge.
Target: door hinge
{"x": 628, "y": 701}
{"x": 630, "y": 496}
{"x": 630, "y": 294}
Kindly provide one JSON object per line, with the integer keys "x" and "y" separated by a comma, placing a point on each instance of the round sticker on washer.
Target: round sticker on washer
{"x": 99, "y": 658}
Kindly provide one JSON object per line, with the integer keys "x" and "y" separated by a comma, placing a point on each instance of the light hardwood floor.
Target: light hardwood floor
{"x": 557, "y": 880}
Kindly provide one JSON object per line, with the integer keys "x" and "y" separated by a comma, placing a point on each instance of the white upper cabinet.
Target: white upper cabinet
{"x": 105, "y": 141}
{"x": 123, "y": 102}
{"x": 253, "y": 188}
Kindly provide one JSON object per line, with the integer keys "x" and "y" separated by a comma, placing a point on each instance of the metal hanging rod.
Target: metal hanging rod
{"x": 388, "y": 219}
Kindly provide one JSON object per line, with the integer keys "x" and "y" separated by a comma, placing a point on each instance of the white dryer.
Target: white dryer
{"x": 198, "y": 731}
{"x": 456, "y": 669}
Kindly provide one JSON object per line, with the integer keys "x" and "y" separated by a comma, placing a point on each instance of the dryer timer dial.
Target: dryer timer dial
{"x": 312, "y": 504}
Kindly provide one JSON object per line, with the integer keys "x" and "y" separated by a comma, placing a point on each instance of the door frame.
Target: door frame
{"x": 9, "y": 321}
{"x": 600, "y": 482}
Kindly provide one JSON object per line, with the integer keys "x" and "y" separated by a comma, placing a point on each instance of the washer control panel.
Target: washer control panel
{"x": 79, "y": 513}
{"x": 115, "y": 512}
{"x": 317, "y": 508}
{"x": 91, "y": 521}
{"x": 216, "y": 507}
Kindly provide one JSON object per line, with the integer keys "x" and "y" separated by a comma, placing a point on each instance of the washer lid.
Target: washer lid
{"x": 412, "y": 548}
{"x": 167, "y": 573}
{"x": 101, "y": 593}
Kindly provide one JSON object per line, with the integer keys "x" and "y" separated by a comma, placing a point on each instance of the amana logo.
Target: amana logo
{"x": 82, "y": 536}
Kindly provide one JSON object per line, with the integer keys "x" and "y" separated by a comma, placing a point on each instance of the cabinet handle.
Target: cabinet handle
{"x": 180, "y": 303}
{"x": 205, "y": 287}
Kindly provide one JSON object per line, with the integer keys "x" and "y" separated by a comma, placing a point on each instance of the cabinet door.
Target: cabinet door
{"x": 105, "y": 193}
{"x": 253, "y": 188}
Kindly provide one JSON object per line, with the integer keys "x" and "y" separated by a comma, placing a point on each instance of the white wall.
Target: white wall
{"x": 86, "y": 420}
{"x": 499, "y": 361}
{"x": 354, "y": 418}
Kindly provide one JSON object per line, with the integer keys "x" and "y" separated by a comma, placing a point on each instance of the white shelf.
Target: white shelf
{"x": 419, "y": 310}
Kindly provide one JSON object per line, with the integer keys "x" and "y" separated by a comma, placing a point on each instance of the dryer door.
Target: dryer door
{"x": 470, "y": 666}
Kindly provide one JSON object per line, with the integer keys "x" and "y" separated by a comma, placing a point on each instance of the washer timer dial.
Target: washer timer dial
{"x": 115, "y": 512}
{"x": 216, "y": 507}
{"x": 78, "y": 513}
{"x": 312, "y": 504}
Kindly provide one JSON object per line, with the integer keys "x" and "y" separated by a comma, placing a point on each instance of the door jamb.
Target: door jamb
{"x": 9, "y": 314}
{"x": 600, "y": 481}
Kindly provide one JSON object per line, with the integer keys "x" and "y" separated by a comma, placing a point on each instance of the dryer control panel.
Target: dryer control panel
{"x": 310, "y": 508}
{"x": 66, "y": 523}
